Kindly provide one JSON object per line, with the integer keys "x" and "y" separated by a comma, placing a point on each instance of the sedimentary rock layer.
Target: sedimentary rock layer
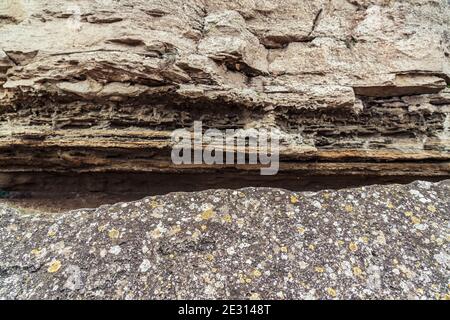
{"x": 384, "y": 242}
{"x": 357, "y": 87}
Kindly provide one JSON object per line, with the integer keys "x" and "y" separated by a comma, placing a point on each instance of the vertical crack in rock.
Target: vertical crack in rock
{"x": 316, "y": 21}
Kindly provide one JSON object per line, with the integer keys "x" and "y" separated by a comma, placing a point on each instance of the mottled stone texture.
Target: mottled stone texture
{"x": 351, "y": 87}
{"x": 389, "y": 242}
{"x": 97, "y": 85}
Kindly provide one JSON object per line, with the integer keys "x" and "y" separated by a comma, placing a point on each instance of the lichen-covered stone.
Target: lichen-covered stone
{"x": 96, "y": 86}
{"x": 389, "y": 242}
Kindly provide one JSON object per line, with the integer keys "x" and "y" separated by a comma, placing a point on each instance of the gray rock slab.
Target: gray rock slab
{"x": 375, "y": 242}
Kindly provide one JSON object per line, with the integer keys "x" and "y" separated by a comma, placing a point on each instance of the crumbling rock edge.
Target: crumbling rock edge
{"x": 374, "y": 242}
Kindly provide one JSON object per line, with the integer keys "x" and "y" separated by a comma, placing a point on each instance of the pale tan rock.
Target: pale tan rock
{"x": 227, "y": 40}
{"x": 341, "y": 80}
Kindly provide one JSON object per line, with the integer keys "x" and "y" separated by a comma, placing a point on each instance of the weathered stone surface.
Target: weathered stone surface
{"x": 371, "y": 242}
{"x": 362, "y": 81}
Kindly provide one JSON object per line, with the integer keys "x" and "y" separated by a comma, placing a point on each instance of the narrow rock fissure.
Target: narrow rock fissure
{"x": 46, "y": 191}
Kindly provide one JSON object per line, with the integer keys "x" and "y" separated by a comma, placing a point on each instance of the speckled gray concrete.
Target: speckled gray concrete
{"x": 386, "y": 242}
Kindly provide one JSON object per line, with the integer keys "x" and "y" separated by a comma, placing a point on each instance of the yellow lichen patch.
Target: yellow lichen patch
{"x": 294, "y": 199}
{"x": 415, "y": 220}
{"x": 390, "y": 205}
{"x": 154, "y": 204}
{"x": 406, "y": 271}
{"x": 101, "y": 228}
{"x": 227, "y": 218}
{"x": 301, "y": 230}
{"x": 349, "y": 208}
{"x": 156, "y": 233}
{"x": 203, "y": 227}
{"x": 340, "y": 242}
{"x": 255, "y": 296}
{"x": 365, "y": 240}
{"x": 54, "y": 266}
{"x": 284, "y": 249}
{"x": 175, "y": 230}
{"x": 311, "y": 247}
{"x": 209, "y": 257}
{"x": 431, "y": 208}
{"x": 256, "y": 273}
{"x": 326, "y": 195}
{"x": 51, "y": 233}
{"x": 319, "y": 269}
{"x": 446, "y": 297}
{"x": 241, "y": 278}
{"x": 113, "y": 234}
{"x": 36, "y": 252}
{"x": 408, "y": 213}
{"x": 420, "y": 291}
{"x": 353, "y": 247}
{"x": 195, "y": 235}
{"x": 357, "y": 271}
{"x": 207, "y": 214}
{"x": 331, "y": 292}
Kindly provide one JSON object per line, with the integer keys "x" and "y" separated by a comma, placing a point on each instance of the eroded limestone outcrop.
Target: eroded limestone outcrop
{"x": 353, "y": 87}
{"x": 384, "y": 242}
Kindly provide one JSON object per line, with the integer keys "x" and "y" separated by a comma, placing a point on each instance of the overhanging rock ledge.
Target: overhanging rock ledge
{"x": 351, "y": 87}
{"x": 254, "y": 243}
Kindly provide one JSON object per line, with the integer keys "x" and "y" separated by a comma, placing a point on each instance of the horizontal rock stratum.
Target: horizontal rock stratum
{"x": 351, "y": 86}
{"x": 385, "y": 242}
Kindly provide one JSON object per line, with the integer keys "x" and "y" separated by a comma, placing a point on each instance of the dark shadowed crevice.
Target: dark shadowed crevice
{"x": 59, "y": 192}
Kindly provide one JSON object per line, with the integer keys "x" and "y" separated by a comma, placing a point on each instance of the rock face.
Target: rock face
{"x": 372, "y": 242}
{"x": 350, "y": 87}
{"x": 353, "y": 87}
